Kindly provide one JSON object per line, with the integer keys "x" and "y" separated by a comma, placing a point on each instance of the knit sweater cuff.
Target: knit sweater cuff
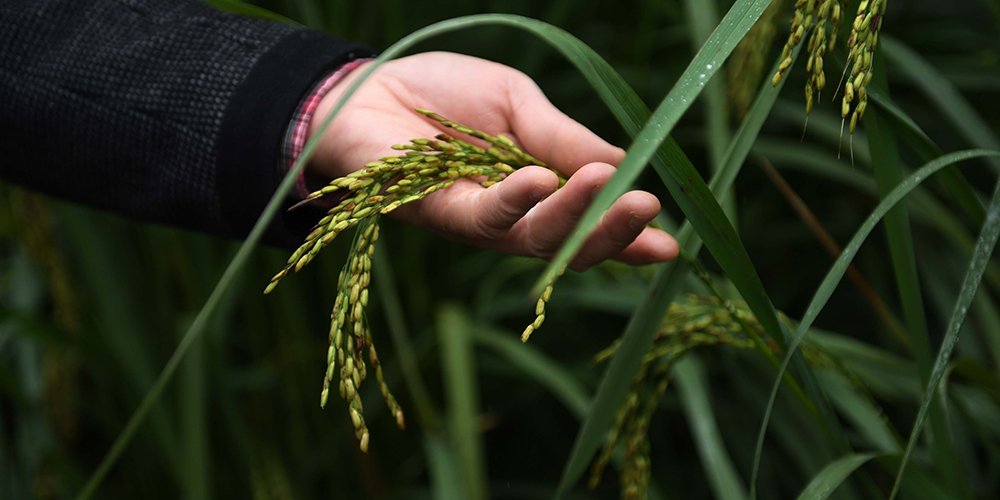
{"x": 298, "y": 128}
{"x": 254, "y": 126}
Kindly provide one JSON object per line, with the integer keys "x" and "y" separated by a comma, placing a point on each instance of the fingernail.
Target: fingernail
{"x": 595, "y": 191}
{"x": 538, "y": 193}
{"x": 634, "y": 222}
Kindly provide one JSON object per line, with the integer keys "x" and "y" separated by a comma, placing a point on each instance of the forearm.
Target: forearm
{"x": 170, "y": 112}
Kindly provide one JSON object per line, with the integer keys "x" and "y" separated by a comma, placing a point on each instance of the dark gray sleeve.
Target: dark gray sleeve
{"x": 164, "y": 111}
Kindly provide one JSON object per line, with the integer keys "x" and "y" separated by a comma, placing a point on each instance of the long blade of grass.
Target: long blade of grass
{"x": 828, "y": 479}
{"x": 970, "y": 284}
{"x": 702, "y": 18}
{"x": 952, "y": 178}
{"x": 953, "y": 106}
{"x": 236, "y": 265}
{"x": 888, "y": 174}
{"x": 686, "y": 185}
{"x": 693, "y": 390}
{"x": 832, "y": 248}
{"x": 836, "y": 273}
{"x": 693, "y": 196}
{"x": 638, "y": 335}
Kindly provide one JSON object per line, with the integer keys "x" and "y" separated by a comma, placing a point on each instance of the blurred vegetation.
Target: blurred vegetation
{"x": 92, "y": 305}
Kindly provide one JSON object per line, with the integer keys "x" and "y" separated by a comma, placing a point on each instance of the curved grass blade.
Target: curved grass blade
{"x": 638, "y": 335}
{"x": 970, "y": 284}
{"x": 553, "y": 35}
{"x": 926, "y": 208}
{"x": 828, "y": 479}
{"x": 693, "y": 196}
{"x": 702, "y": 17}
{"x": 624, "y": 104}
{"x": 836, "y": 273}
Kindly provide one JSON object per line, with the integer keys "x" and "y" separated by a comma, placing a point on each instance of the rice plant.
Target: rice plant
{"x": 143, "y": 361}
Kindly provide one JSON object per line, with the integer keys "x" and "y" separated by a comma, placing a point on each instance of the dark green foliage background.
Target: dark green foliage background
{"x": 241, "y": 419}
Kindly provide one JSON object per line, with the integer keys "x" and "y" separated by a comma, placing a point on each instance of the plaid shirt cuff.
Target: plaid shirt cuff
{"x": 295, "y": 136}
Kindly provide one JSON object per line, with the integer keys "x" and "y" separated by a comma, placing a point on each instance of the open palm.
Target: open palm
{"x": 524, "y": 214}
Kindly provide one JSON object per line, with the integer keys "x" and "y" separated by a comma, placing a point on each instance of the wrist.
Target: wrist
{"x": 322, "y": 163}
{"x": 302, "y": 124}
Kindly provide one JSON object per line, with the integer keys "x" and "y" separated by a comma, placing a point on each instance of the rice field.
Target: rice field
{"x": 831, "y": 329}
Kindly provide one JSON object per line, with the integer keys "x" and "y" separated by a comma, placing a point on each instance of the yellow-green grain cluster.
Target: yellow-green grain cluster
{"x": 823, "y": 18}
{"x": 630, "y": 428}
{"x": 350, "y": 335}
{"x": 428, "y": 165}
{"x": 692, "y": 322}
{"x": 540, "y": 307}
{"x": 861, "y": 46}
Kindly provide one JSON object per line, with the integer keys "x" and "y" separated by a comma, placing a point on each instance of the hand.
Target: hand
{"x": 518, "y": 215}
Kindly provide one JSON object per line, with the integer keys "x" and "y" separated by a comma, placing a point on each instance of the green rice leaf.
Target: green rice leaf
{"x": 638, "y": 335}
{"x": 702, "y": 18}
{"x": 952, "y": 178}
{"x": 684, "y": 183}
